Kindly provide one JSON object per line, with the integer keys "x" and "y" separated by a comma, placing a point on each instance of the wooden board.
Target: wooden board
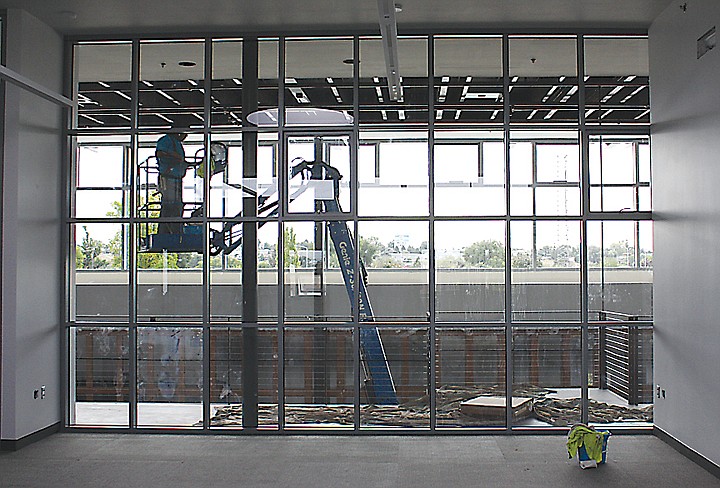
{"x": 493, "y": 407}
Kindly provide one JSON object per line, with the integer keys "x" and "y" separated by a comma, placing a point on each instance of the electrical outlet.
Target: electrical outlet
{"x": 42, "y": 392}
{"x": 36, "y": 394}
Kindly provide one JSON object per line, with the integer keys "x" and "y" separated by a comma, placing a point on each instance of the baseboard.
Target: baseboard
{"x": 15, "y": 445}
{"x": 688, "y": 452}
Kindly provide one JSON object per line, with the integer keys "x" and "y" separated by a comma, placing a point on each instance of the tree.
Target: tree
{"x": 521, "y": 260}
{"x": 485, "y": 254}
{"x": 386, "y": 261}
{"x": 89, "y": 253}
{"x": 369, "y": 248}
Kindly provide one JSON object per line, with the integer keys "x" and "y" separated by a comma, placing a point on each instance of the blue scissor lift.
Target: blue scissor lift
{"x": 378, "y": 382}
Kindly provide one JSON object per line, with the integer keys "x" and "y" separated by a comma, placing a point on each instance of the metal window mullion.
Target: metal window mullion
{"x": 431, "y": 239}
{"x": 132, "y": 239}
{"x": 508, "y": 248}
{"x": 207, "y": 100}
{"x": 282, "y": 211}
{"x": 354, "y": 188}
{"x": 585, "y": 357}
{"x": 67, "y": 369}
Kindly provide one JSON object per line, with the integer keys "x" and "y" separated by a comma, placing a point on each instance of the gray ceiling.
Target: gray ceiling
{"x": 195, "y": 16}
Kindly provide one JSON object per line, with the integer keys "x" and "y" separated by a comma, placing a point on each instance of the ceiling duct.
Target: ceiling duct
{"x": 388, "y": 30}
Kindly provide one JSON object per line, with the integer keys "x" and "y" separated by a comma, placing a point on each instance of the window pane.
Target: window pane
{"x": 100, "y": 363}
{"x": 226, "y": 376}
{"x": 620, "y": 263}
{"x": 170, "y": 377}
{"x": 616, "y": 71}
{"x": 545, "y": 270}
{"x": 101, "y": 177}
{"x": 319, "y": 377}
{"x": 396, "y": 258}
{"x": 227, "y": 76}
{"x": 470, "y": 377}
{"x": 543, "y": 80}
{"x": 400, "y": 163}
{"x": 99, "y": 273}
{"x": 406, "y": 350}
{"x": 469, "y": 174}
{"x": 468, "y": 88}
{"x": 470, "y": 271}
{"x": 546, "y": 375}
{"x": 171, "y": 84}
{"x": 317, "y": 75}
{"x": 102, "y": 73}
{"x": 376, "y": 107}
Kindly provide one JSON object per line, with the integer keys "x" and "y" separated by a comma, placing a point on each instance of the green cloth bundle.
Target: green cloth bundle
{"x": 582, "y": 435}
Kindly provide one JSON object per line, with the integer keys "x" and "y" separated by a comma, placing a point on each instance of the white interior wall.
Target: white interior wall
{"x": 31, "y": 220}
{"x": 685, "y": 97}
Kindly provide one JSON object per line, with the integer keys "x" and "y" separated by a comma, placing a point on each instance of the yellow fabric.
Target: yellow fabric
{"x": 582, "y": 435}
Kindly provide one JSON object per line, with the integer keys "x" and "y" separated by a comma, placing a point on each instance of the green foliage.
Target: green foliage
{"x": 485, "y": 254}
{"x": 89, "y": 253}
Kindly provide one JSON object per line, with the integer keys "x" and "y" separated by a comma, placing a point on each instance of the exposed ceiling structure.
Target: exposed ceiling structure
{"x": 76, "y": 17}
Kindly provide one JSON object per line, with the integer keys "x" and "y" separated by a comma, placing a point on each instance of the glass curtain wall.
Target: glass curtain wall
{"x": 261, "y": 239}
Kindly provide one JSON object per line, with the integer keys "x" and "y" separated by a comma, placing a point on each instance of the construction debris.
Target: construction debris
{"x": 449, "y": 410}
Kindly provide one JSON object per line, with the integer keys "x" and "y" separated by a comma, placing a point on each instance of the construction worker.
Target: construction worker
{"x": 172, "y": 167}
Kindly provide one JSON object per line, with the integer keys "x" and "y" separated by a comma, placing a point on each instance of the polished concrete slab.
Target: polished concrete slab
{"x": 158, "y": 461}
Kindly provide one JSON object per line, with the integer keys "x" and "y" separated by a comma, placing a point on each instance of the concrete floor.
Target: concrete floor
{"x": 176, "y": 461}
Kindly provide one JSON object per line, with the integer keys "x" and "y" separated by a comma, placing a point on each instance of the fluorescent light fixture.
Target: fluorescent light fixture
{"x": 494, "y": 115}
{"x": 607, "y": 112}
{"x": 376, "y": 79}
{"x": 457, "y": 114}
{"x": 193, "y": 82}
{"x": 237, "y": 82}
{"x": 550, "y": 114}
{"x": 379, "y": 94}
{"x": 443, "y": 94}
{"x": 126, "y": 97}
{"x": 93, "y": 119}
{"x": 483, "y": 96}
{"x": 103, "y": 84}
{"x": 445, "y": 79}
{"x": 635, "y": 92}
{"x": 199, "y": 117}
{"x": 438, "y": 114}
{"x": 169, "y": 121}
{"x": 550, "y": 92}
{"x": 590, "y": 111}
{"x": 384, "y": 114}
{"x": 401, "y": 114}
{"x": 642, "y": 115}
{"x": 388, "y": 30}
{"x": 299, "y": 95}
{"x": 613, "y": 92}
{"x": 532, "y": 114}
{"x": 301, "y": 116}
{"x": 168, "y": 97}
{"x": 570, "y": 93}
{"x": 514, "y": 79}
{"x": 329, "y": 80}
{"x": 147, "y": 83}
{"x": 629, "y": 79}
{"x": 290, "y": 81}
{"x": 468, "y": 79}
{"x": 561, "y": 79}
{"x": 123, "y": 116}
